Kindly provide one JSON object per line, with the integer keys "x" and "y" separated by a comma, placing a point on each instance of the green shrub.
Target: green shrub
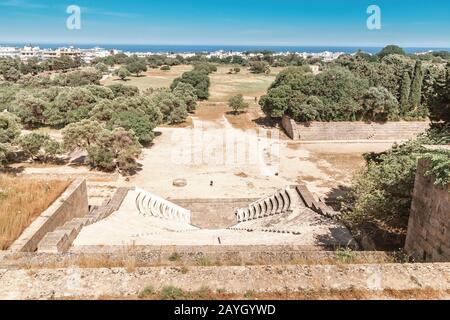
{"x": 345, "y": 255}
{"x": 147, "y": 292}
{"x": 175, "y": 257}
{"x": 438, "y": 166}
{"x": 171, "y": 293}
{"x": 237, "y": 103}
{"x": 381, "y": 194}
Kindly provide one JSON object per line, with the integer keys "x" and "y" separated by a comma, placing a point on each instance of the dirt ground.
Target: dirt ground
{"x": 268, "y": 164}
{"x": 321, "y": 166}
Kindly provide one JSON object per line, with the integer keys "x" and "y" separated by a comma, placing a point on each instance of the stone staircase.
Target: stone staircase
{"x": 318, "y": 206}
{"x": 62, "y": 237}
{"x": 279, "y": 202}
{"x": 293, "y": 209}
{"x": 99, "y": 194}
{"x": 152, "y": 205}
{"x": 284, "y": 201}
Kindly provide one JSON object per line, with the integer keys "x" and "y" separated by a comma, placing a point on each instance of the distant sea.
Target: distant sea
{"x": 236, "y": 48}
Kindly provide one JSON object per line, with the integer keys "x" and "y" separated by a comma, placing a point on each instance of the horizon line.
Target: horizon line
{"x": 222, "y": 44}
{"x": 218, "y": 45}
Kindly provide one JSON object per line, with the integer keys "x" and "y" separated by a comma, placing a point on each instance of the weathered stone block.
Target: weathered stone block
{"x": 428, "y": 234}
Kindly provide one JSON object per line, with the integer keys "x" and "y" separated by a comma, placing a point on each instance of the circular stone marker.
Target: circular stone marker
{"x": 179, "y": 182}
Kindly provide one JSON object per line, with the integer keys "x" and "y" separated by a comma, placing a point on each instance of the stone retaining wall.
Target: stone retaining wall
{"x": 73, "y": 203}
{"x": 428, "y": 235}
{"x": 290, "y": 127}
{"x": 353, "y": 130}
{"x": 121, "y": 282}
{"x": 191, "y": 256}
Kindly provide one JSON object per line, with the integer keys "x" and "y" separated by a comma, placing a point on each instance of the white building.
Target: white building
{"x": 88, "y": 55}
{"x": 9, "y": 52}
{"x": 28, "y": 52}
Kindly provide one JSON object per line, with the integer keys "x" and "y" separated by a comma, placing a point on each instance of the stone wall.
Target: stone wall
{"x": 212, "y": 213}
{"x": 73, "y": 203}
{"x": 190, "y": 255}
{"x": 85, "y": 283}
{"x": 290, "y": 127}
{"x": 428, "y": 237}
{"x": 357, "y": 130}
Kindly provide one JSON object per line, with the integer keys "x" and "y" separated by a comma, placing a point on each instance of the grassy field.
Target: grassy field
{"x": 225, "y": 85}
{"x": 21, "y": 201}
{"x": 250, "y": 85}
{"x": 153, "y": 78}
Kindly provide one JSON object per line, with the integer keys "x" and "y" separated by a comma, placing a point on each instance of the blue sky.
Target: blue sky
{"x": 410, "y": 23}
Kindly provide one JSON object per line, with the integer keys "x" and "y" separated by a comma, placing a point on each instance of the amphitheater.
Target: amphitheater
{"x": 136, "y": 217}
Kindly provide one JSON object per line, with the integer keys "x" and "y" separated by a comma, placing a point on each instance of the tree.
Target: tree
{"x": 197, "y": 79}
{"x": 173, "y": 108}
{"x": 9, "y": 127}
{"x": 30, "y": 109}
{"x": 136, "y": 67}
{"x": 70, "y": 105}
{"x": 141, "y": 125}
{"x": 119, "y": 90}
{"x": 186, "y": 92}
{"x": 379, "y": 104}
{"x": 79, "y": 78}
{"x": 305, "y": 110}
{"x": 205, "y": 67}
{"x": 123, "y": 73}
{"x": 5, "y": 151}
{"x": 101, "y": 67}
{"x": 12, "y": 74}
{"x": 100, "y": 92}
{"x": 81, "y": 135}
{"x": 38, "y": 145}
{"x": 416, "y": 87}
{"x": 391, "y": 49}
{"x": 405, "y": 93}
{"x": 275, "y": 103}
{"x": 440, "y": 105}
{"x": 107, "y": 150}
{"x": 259, "y": 67}
{"x": 237, "y": 104}
{"x": 338, "y": 94}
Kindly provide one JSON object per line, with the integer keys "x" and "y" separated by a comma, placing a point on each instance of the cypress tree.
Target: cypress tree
{"x": 440, "y": 106}
{"x": 404, "y": 93}
{"x": 416, "y": 87}
{"x": 427, "y": 87}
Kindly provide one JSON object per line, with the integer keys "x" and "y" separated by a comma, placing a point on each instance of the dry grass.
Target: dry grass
{"x": 129, "y": 260}
{"x": 21, "y": 201}
{"x": 250, "y": 85}
{"x": 153, "y": 78}
{"x": 345, "y": 294}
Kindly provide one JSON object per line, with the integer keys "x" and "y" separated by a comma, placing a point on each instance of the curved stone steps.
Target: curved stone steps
{"x": 274, "y": 204}
{"x": 151, "y": 205}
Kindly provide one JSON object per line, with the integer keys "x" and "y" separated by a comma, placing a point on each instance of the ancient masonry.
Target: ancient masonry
{"x": 355, "y": 130}
{"x": 70, "y": 206}
{"x": 428, "y": 237}
{"x": 291, "y": 215}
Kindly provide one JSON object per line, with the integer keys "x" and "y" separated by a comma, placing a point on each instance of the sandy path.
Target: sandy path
{"x": 200, "y": 156}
